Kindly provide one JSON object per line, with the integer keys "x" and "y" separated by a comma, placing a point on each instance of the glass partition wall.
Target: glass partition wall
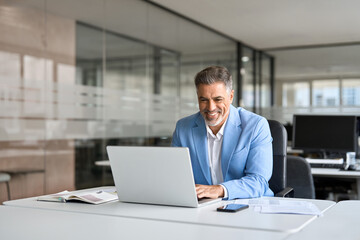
{"x": 77, "y": 76}
{"x": 317, "y": 80}
{"x": 257, "y": 80}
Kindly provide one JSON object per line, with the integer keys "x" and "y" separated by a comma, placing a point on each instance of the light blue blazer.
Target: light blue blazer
{"x": 246, "y": 155}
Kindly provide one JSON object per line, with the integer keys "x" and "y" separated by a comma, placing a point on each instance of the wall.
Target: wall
{"x": 31, "y": 53}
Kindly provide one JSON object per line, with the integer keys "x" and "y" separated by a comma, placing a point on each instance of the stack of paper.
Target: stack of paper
{"x": 281, "y": 206}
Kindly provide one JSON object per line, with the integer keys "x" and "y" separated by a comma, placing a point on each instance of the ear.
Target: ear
{"x": 231, "y": 96}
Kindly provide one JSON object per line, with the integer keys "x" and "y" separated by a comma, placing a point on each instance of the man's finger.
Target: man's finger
{"x": 199, "y": 190}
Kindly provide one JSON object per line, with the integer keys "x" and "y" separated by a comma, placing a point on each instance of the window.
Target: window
{"x": 296, "y": 94}
{"x": 326, "y": 93}
{"x": 351, "y": 92}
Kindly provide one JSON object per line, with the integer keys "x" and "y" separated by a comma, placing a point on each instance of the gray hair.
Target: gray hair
{"x": 212, "y": 75}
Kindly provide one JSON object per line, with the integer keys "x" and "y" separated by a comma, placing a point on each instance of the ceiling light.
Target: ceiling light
{"x": 245, "y": 59}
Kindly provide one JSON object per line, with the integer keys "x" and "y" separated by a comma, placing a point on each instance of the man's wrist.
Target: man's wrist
{"x": 221, "y": 191}
{"x": 225, "y": 193}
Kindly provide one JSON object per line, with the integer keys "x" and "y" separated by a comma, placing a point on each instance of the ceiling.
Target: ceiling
{"x": 265, "y": 24}
{"x": 320, "y": 63}
{"x": 262, "y": 24}
{"x": 138, "y": 20}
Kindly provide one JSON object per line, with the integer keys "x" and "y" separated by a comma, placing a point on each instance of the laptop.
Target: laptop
{"x": 154, "y": 175}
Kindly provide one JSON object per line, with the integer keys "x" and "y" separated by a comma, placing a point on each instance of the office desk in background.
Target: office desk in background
{"x": 205, "y": 216}
{"x": 337, "y": 173}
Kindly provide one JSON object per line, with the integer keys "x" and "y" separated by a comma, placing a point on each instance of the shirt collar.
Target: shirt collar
{"x": 220, "y": 132}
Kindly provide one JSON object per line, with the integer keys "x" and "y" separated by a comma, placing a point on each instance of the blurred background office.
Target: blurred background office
{"x": 78, "y": 75}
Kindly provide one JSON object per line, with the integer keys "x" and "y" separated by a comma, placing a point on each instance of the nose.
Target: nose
{"x": 211, "y": 106}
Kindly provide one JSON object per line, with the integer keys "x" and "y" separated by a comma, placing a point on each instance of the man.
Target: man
{"x": 230, "y": 148}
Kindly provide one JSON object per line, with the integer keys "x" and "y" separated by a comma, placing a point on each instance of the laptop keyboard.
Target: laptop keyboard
{"x": 204, "y": 200}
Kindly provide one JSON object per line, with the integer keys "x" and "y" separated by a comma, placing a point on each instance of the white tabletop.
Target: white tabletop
{"x": 334, "y": 172}
{"x": 339, "y": 222}
{"x": 207, "y": 215}
{"x": 30, "y": 223}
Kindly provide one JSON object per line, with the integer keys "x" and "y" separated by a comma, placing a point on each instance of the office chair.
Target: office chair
{"x": 277, "y": 182}
{"x": 299, "y": 177}
{"x": 4, "y": 177}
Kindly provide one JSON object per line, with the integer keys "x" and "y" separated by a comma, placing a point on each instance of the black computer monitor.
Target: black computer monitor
{"x": 325, "y": 133}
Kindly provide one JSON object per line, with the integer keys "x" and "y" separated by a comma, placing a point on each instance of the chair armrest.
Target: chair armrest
{"x": 286, "y": 192}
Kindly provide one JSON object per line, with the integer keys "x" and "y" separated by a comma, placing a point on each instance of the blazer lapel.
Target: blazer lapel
{"x": 200, "y": 141}
{"x": 231, "y": 139}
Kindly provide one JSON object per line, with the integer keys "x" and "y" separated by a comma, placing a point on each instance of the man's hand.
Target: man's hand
{"x": 209, "y": 191}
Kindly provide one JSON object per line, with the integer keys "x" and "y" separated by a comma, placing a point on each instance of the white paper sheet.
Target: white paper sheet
{"x": 281, "y": 206}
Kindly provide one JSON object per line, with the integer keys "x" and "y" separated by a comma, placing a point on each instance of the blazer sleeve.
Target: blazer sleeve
{"x": 258, "y": 167}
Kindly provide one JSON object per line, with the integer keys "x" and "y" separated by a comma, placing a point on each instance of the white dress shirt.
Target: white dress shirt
{"x": 214, "y": 152}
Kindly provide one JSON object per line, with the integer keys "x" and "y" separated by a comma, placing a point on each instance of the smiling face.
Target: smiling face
{"x": 214, "y": 104}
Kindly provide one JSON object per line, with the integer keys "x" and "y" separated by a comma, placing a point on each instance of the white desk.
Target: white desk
{"x": 337, "y": 173}
{"x": 206, "y": 216}
{"x": 333, "y": 172}
{"x": 340, "y": 222}
{"x": 30, "y": 223}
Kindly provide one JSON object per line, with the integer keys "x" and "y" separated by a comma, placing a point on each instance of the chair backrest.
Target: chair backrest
{"x": 299, "y": 177}
{"x": 277, "y": 181}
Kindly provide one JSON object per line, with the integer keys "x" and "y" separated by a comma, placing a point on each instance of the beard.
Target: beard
{"x": 212, "y": 122}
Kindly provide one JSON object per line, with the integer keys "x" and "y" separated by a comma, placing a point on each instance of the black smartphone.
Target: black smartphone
{"x": 232, "y": 207}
